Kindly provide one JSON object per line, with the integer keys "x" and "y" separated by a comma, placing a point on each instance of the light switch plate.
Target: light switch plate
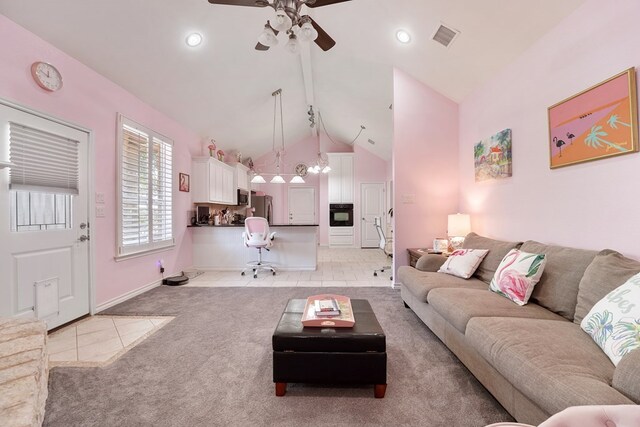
{"x": 100, "y": 212}
{"x": 99, "y": 197}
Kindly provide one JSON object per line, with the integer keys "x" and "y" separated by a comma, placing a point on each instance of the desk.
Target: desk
{"x": 416, "y": 253}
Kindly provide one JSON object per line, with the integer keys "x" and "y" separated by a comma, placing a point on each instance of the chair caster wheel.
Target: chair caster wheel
{"x": 242, "y": 274}
{"x": 375, "y": 274}
{"x": 255, "y": 276}
{"x": 274, "y": 273}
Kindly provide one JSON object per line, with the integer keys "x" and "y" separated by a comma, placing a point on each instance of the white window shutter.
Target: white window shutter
{"x": 43, "y": 161}
{"x": 135, "y": 187}
{"x": 162, "y": 191}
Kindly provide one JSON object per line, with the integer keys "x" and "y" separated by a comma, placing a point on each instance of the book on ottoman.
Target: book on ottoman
{"x": 344, "y": 318}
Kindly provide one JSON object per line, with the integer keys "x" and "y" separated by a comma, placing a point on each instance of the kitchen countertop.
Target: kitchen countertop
{"x": 242, "y": 225}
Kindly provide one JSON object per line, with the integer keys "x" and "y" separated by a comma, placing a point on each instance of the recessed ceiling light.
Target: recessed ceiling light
{"x": 403, "y": 36}
{"x": 194, "y": 39}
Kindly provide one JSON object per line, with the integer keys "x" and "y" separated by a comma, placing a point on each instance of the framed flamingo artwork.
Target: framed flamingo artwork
{"x": 597, "y": 123}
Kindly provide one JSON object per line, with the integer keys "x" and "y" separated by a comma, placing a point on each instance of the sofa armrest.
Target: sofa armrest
{"x": 430, "y": 262}
{"x": 626, "y": 378}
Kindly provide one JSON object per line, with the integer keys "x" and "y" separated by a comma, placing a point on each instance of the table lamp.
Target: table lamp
{"x": 459, "y": 225}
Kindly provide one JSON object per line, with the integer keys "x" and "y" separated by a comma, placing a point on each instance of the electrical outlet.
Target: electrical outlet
{"x": 99, "y": 197}
{"x": 100, "y": 212}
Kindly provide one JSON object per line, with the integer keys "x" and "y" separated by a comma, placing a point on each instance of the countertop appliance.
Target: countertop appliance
{"x": 341, "y": 215}
{"x": 263, "y": 206}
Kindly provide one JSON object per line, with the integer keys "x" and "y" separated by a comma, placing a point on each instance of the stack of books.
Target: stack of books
{"x": 327, "y": 307}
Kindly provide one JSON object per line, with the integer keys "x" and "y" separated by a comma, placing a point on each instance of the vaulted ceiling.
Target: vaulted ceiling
{"x": 222, "y": 88}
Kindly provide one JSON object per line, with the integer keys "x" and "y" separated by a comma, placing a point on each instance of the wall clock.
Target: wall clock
{"x": 301, "y": 169}
{"x": 46, "y": 76}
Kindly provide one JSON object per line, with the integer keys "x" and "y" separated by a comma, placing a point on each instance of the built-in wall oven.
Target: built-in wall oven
{"x": 341, "y": 215}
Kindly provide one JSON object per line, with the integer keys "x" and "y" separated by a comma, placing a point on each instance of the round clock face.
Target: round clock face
{"x": 301, "y": 169}
{"x": 47, "y": 76}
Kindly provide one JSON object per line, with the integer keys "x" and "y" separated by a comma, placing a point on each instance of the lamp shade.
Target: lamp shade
{"x": 277, "y": 180}
{"x": 258, "y": 179}
{"x": 297, "y": 180}
{"x": 459, "y": 225}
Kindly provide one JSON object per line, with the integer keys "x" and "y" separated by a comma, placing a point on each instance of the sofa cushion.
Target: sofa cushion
{"x": 430, "y": 262}
{"x": 497, "y": 250}
{"x": 557, "y": 289}
{"x": 458, "y": 306}
{"x": 517, "y": 275}
{"x": 555, "y": 364}
{"x": 614, "y": 322}
{"x": 420, "y": 283}
{"x": 626, "y": 378}
{"x": 608, "y": 270}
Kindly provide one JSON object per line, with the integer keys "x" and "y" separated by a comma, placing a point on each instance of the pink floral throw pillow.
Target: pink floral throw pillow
{"x": 517, "y": 274}
{"x": 463, "y": 262}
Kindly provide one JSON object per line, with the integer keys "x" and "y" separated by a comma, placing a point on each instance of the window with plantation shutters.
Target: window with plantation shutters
{"x": 146, "y": 198}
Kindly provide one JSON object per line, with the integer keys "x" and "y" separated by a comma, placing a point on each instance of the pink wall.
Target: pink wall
{"x": 90, "y": 100}
{"x": 591, "y": 205}
{"x": 367, "y": 167}
{"x": 425, "y": 164}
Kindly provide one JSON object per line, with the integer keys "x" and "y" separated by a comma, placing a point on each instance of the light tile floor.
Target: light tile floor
{"x": 336, "y": 267}
{"x": 100, "y": 340}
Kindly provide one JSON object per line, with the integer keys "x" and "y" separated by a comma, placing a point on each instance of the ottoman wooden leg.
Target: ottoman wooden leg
{"x": 379, "y": 390}
{"x": 281, "y": 389}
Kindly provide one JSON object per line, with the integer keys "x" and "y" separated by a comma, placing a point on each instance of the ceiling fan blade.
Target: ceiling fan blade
{"x": 324, "y": 40}
{"x": 260, "y": 46}
{"x": 251, "y": 3}
{"x": 320, "y": 3}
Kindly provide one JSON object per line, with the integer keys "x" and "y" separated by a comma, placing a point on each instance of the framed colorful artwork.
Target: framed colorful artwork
{"x": 597, "y": 123}
{"x": 183, "y": 183}
{"x": 492, "y": 157}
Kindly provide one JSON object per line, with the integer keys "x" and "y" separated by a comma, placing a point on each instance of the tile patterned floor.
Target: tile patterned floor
{"x": 336, "y": 267}
{"x": 100, "y": 340}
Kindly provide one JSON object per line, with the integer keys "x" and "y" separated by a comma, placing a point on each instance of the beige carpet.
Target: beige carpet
{"x": 211, "y": 366}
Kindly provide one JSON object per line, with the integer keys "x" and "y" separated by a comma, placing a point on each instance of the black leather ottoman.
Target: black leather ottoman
{"x": 329, "y": 355}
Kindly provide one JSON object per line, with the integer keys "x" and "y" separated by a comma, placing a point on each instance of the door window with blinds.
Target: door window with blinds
{"x": 145, "y": 189}
{"x": 43, "y": 179}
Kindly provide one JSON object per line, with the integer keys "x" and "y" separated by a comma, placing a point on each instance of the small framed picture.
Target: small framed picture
{"x": 183, "y": 183}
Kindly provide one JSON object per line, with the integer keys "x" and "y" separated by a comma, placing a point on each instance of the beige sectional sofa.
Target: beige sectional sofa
{"x": 534, "y": 359}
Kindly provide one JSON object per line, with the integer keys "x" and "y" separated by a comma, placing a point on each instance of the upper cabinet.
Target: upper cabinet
{"x": 341, "y": 177}
{"x": 242, "y": 173}
{"x": 213, "y": 181}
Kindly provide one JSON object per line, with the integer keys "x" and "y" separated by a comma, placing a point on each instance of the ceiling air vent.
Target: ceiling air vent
{"x": 445, "y": 35}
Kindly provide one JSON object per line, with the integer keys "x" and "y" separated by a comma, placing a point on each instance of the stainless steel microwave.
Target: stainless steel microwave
{"x": 243, "y": 197}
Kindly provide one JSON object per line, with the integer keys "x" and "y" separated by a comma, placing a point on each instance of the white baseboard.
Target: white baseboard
{"x": 129, "y": 295}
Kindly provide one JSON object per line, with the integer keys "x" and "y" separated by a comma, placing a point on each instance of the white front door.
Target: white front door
{"x": 44, "y": 263}
{"x": 371, "y": 206}
{"x": 302, "y": 205}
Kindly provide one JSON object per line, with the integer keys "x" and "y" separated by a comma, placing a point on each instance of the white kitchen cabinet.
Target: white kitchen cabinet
{"x": 341, "y": 236}
{"x": 212, "y": 181}
{"x": 340, "y": 178}
{"x": 242, "y": 173}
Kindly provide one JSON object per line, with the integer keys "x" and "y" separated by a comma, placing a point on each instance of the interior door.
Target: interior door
{"x": 43, "y": 260}
{"x": 371, "y": 206}
{"x": 302, "y": 205}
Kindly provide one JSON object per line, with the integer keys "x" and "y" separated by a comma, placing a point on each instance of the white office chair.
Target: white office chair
{"x": 385, "y": 245}
{"x": 256, "y": 235}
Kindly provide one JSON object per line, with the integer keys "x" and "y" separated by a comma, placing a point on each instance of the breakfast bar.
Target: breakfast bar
{"x": 295, "y": 247}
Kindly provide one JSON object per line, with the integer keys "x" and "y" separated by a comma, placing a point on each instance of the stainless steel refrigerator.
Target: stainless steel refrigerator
{"x": 263, "y": 206}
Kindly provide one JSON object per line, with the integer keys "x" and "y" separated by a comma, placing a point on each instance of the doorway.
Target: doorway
{"x": 44, "y": 218}
{"x": 372, "y": 205}
{"x": 302, "y": 205}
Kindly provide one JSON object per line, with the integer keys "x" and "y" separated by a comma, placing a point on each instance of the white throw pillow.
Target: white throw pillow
{"x": 614, "y": 322}
{"x": 463, "y": 262}
{"x": 517, "y": 274}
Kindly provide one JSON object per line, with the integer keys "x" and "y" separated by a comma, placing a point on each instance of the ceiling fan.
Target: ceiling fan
{"x": 289, "y": 19}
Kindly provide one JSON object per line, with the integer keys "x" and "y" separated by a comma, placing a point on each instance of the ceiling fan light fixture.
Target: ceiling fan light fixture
{"x": 293, "y": 46}
{"x": 282, "y": 21}
{"x": 403, "y": 36}
{"x": 307, "y": 33}
{"x": 297, "y": 180}
{"x": 326, "y": 169}
{"x": 194, "y": 39}
{"x": 268, "y": 37}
